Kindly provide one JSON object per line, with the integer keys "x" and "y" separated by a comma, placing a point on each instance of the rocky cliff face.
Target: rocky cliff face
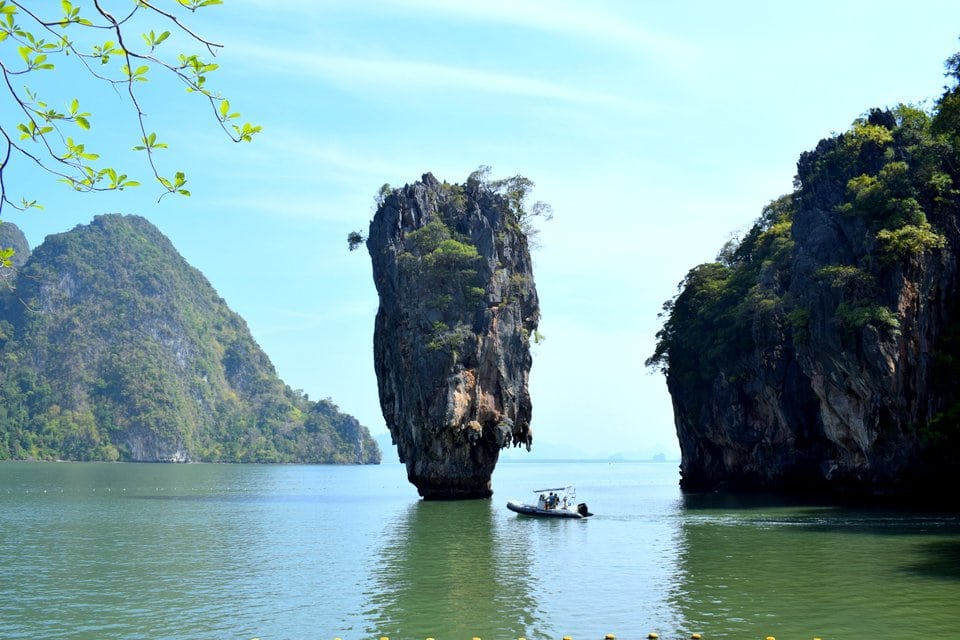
{"x": 458, "y": 308}
{"x": 821, "y": 351}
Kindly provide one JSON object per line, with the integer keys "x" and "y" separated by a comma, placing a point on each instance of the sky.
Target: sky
{"x": 656, "y": 131}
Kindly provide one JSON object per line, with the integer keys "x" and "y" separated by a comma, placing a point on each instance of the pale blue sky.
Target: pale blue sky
{"x": 656, "y": 130}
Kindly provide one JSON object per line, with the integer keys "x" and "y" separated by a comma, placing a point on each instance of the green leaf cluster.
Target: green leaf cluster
{"x": 857, "y": 316}
{"x": 444, "y": 265}
{"x": 898, "y": 174}
{"x": 85, "y": 40}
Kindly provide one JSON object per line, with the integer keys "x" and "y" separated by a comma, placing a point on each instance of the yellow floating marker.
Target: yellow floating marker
{"x": 609, "y": 636}
{"x": 695, "y": 636}
{"x": 653, "y": 635}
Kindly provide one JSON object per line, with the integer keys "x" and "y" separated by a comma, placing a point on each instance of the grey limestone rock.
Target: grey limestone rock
{"x": 458, "y": 309}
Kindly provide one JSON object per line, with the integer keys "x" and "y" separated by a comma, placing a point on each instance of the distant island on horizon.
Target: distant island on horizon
{"x": 547, "y": 452}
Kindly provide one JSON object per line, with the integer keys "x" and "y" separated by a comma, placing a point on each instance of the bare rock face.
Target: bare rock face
{"x": 458, "y": 308}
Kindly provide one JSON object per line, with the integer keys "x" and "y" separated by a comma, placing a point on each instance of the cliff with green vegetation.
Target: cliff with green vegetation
{"x": 112, "y": 347}
{"x": 458, "y": 312}
{"x": 822, "y": 349}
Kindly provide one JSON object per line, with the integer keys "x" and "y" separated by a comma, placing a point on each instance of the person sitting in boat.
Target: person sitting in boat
{"x": 542, "y": 502}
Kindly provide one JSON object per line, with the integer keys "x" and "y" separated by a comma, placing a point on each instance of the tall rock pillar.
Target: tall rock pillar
{"x": 458, "y": 308}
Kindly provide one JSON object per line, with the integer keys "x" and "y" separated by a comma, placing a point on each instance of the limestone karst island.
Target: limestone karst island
{"x": 458, "y": 311}
{"x": 822, "y": 349}
{"x": 114, "y": 348}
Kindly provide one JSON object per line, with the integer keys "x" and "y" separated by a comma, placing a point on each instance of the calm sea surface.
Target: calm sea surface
{"x": 104, "y": 551}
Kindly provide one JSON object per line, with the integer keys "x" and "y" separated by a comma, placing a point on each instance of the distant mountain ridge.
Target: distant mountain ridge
{"x": 112, "y": 347}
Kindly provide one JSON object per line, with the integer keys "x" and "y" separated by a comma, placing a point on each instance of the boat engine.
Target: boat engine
{"x": 583, "y": 510}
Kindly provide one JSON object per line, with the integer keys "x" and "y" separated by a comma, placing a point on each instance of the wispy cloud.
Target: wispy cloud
{"x": 318, "y": 179}
{"x": 313, "y": 153}
{"x": 580, "y": 19}
{"x": 385, "y": 74}
{"x": 589, "y": 21}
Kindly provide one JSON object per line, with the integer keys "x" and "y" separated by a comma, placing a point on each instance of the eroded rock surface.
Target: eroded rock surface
{"x": 458, "y": 309}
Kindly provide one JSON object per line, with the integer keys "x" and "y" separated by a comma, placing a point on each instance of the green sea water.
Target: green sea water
{"x": 103, "y": 551}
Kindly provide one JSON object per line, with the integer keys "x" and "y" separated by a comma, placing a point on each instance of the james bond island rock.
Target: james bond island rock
{"x": 114, "y": 348}
{"x": 458, "y": 309}
{"x": 822, "y": 350}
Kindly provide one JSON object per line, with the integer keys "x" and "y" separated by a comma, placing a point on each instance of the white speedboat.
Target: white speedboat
{"x": 552, "y": 503}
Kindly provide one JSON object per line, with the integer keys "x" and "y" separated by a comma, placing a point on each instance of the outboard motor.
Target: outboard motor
{"x": 583, "y": 510}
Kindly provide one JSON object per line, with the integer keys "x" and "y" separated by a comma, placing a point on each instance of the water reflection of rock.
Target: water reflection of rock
{"x": 446, "y": 570}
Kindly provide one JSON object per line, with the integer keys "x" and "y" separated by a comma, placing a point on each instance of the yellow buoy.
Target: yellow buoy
{"x": 653, "y": 635}
{"x": 695, "y": 636}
